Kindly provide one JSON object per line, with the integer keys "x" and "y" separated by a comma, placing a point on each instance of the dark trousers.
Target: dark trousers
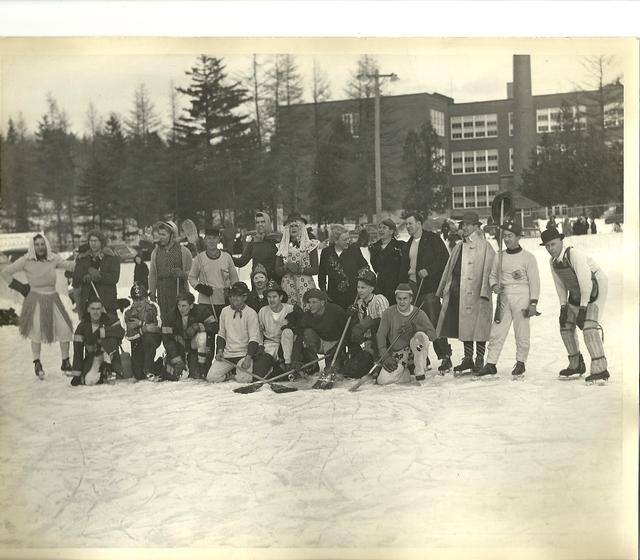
{"x": 143, "y": 354}
{"x": 431, "y": 306}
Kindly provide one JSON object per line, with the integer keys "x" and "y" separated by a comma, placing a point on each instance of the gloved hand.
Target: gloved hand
{"x": 530, "y": 311}
{"x": 408, "y": 329}
{"x": 422, "y": 273}
{"x": 390, "y": 364}
{"x": 24, "y": 289}
{"x": 201, "y": 327}
{"x": 497, "y": 289}
{"x": 564, "y": 310}
{"x": 246, "y": 363}
{"x": 204, "y": 289}
{"x": 582, "y": 315}
{"x": 94, "y": 274}
{"x": 353, "y": 311}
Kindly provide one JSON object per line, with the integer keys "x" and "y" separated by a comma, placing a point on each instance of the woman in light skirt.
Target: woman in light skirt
{"x": 43, "y": 318}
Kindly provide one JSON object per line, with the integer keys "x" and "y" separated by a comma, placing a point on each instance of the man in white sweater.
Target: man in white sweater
{"x": 239, "y": 338}
{"x": 519, "y": 284}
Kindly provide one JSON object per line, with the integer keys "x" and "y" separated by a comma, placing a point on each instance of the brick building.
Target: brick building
{"x": 485, "y": 144}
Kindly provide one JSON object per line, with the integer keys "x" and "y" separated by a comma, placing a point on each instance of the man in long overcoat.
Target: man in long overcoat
{"x": 467, "y": 312}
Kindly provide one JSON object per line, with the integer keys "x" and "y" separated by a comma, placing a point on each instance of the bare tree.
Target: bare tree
{"x": 144, "y": 119}
{"x": 601, "y": 86}
{"x": 361, "y": 84}
{"x": 93, "y": 121}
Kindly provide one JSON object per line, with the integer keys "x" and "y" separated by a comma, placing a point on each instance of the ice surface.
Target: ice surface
{"x": 531, "y": 464}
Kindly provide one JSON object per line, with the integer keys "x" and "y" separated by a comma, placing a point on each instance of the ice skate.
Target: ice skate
{"x": 518, "y": 370}
{"x": 569, "y": 372}
{"x": 487, "y": 369}
{"x": 76, "y": 380}
{"x": 38, "y": 369}
{"x": 463, "y": 367}
{"x": 65, "y": 367}
{"x": 478, "y": 364}
{"x": 600, "y": 378}
{"x": 445, "y": 365}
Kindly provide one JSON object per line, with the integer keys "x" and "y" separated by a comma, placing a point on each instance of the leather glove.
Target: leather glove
{"x": 496, "y": 289}
{"x": 353, "y": 311}
{"x": 204, "y": 289}
{"x": 390, "y": 364}
{"x": 582, "y": 315}
{"x": 408, "y": 329}
{"x": 94, "y": 274}
{"x": 24, "y": 289}
{"x": 530, "y": 311}
{"x": 564, "y": 310}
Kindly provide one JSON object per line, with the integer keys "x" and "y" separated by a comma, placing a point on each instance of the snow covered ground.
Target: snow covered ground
{"x": 532, "y": 468}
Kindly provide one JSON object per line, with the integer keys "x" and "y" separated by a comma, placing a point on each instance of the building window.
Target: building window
{"x": 437, "y": 121}
{"x": 474, "y": 126}
{"x": 613, "y": 115}
{"x": 474, "y": 196}
{"x": 511, "y": 159}
{"x": 352, "y": 122}
{"x": 475, "y": 161}
{"x": 551, "y": 119}
{"x": 510, "y": 124}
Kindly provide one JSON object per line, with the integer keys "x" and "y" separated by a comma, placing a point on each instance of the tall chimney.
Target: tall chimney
{"x": 509, "y": 90}
{"x": 524, "y": 116}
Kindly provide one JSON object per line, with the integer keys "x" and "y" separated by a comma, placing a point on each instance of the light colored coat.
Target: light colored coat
{"x": 475, "y": 314}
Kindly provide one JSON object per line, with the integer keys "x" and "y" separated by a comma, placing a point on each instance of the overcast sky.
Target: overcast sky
{"x": 462, "y": 71}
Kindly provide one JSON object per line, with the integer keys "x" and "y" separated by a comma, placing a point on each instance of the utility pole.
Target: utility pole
{"x": 377, "y": 155}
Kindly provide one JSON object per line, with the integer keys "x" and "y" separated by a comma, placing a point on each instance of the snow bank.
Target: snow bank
{"x": 452, "y": 465}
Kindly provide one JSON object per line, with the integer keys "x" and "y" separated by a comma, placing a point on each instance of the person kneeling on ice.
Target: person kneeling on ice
{"x": 519, "y": 285}
{"x": 95, "y": 346}
{"x": 319, "y": 329}
{"x": 365, "y": 316}
{"x": 411, "y": 330}
{"x": 186, "y": 335}
{"x": 278, "y": 336}
{"x": 582, "y": 289}
{"x": 142, "y": 331}
{"x": 239, "y": 338}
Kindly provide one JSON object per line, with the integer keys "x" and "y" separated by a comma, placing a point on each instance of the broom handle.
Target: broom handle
{"x": 344, "y": 332}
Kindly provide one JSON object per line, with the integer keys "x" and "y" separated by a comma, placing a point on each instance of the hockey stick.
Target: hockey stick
{"x": 364, "y": 378}
{"x": 325, "y": 380}
{"x": 275, "y": 387}
{"x": 498, "y": 212}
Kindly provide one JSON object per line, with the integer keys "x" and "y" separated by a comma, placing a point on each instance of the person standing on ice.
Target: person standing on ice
{"x": 277, "y": 335}
{"x": 467, "y": 311}
{"x": 424, "y": 259}
{"x": 43, "y": 318}
{"x": 95, "y": 345}
{"x": 239, "y": 338}
{"x": 168, "y": 269}
{"x": 297, "y": 259}
{"x": 519, "y": 285}
{"x": 582, "y": 290}
{"x": 415, "y": 330}
{"x": 261, "y": 249}
{"x": 386, "y": 259}
{"x": 98, "y": 269}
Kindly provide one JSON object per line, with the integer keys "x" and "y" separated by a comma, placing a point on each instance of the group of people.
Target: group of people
{"x": 358, "y": 316}
{"x": 579, "y": 226}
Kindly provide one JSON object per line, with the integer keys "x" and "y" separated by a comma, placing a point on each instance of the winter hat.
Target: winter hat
{"x": 512, "y": 227}
{"x": 314, "y": 293}
{"x": 101, "y": 236}
{"x": 259, "y": 269}
{"x": 471, "y": 218}
{"x": 186, "y": 296}
{"x": 404, "y": 289}
{"x": 170, "y": 226}
{"x": 214, "y": 231}
{"x": 295, "y": 217}
{"x": 389, "y": 223}
{"x": 366, "y": 276}
{"x": 549, "y": 235}
{"x": 239, "y": 289}
{"x": 138, "y": 291}
{"x": 273, "y": 286}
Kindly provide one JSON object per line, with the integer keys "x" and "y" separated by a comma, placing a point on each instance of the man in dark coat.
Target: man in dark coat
{"x": 386, "y": 259}
{"x": 262, "y": 248}
{"x": 424, "y": 258}
{"x": 99, "y": 268}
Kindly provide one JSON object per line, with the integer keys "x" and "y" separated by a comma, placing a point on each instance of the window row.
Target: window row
{"x": 552, "y": 119}
{"x": 474, "y": 161}
{"x": 613, "y": 115}
{"x": 474, "y": 196}
{"x": 474, "y": 126}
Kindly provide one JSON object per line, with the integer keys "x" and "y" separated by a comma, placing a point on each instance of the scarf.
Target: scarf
{"x": 305, "y": 244}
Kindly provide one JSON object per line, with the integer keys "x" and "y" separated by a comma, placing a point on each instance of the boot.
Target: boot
{"x": 445, "y": 365}
{"x": 487, "y": 369}
{"x": 518, "y": 369}
{"x": 569, "y": 371}
{"x": 76, "y": 380}
{"x": 594, "y": 377}
{"x": 478, "y": 364}
{"x": 65, "y": 366}
{"x": 466, "y": 365}
{"x": 107, "y": 375}
{"x": 38, "y": 369}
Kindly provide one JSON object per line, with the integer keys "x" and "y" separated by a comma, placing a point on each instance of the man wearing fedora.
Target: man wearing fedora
{"x": 467, "y": 311}
{"x": 423, "y": 261}
{"x": 239, "y": 338}
{"x": 519, "y": 284}
{"x": 582, "y": 290}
